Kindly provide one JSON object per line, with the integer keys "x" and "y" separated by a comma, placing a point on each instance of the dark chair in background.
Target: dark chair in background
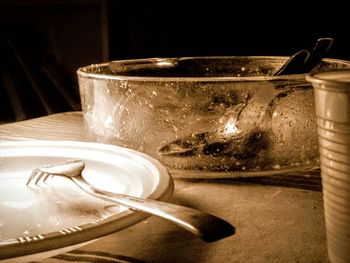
{"x": 42, "y": 44}
{"x": 33, "y": 83}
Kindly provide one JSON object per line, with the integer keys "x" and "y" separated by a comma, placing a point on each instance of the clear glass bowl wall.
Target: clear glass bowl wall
{"x": 205, "y": 113}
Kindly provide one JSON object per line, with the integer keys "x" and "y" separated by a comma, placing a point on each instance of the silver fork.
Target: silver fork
{"x": 208, "y": 227}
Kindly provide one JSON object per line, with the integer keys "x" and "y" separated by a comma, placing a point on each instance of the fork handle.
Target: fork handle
{"x": 208, "y": 227}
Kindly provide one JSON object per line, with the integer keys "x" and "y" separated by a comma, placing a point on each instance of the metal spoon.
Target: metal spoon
{"x": 304, "y": 61}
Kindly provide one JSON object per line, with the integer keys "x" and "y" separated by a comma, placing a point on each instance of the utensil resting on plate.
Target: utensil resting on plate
{"x": 208, "y": 227}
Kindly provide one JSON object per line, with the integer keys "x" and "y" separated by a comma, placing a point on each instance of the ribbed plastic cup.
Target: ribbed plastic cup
{"x": 332, "y": 104}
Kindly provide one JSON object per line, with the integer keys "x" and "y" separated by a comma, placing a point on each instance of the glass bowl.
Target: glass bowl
{"x": 215, "y": 116}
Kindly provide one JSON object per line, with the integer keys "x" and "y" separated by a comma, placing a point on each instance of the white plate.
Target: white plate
{"x": 42, "y": 221}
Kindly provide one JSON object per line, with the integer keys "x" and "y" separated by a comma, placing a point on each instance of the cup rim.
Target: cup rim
{"x": 329, "y": 79}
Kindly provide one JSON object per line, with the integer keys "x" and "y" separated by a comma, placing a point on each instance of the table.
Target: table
{"x": 277, "y": 218}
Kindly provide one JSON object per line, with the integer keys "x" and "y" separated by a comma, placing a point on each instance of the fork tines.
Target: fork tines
{"x": 36, "y": 176}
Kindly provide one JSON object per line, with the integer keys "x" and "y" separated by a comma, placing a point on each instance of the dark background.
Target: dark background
{"x": 181, "y": 28}
{"x": 43, "y": 43}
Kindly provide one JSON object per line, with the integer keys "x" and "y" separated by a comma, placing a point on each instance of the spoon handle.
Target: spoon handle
{"x": 305, "y": 61}
{"x": 293, "y": 64}
{"x": 318, "y": 53}
{"x": 208, "y": 227}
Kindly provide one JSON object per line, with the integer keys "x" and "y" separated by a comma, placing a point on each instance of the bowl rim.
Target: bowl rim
{"x": 83, "y": 71}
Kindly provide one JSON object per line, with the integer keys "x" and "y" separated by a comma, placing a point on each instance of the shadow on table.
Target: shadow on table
{"x": 310, "y": 181}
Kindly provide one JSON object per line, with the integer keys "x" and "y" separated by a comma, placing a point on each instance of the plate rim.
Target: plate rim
{"x": 56, "y": 240}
